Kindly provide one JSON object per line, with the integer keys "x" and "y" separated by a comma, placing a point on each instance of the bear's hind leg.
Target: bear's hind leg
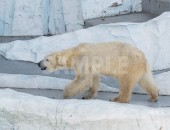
{"x": 94, "y": 88}
{"x": 148, "y": 84}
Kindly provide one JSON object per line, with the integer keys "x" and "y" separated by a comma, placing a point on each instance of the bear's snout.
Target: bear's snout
{"x": 40, "y": 64}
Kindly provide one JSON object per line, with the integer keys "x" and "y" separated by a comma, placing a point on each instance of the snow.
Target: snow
{"x": 50, "y": 17}
{"x": 151, "y": 37}
{"x": 163, "y": 81}
{"x": 46, "y": 82}
{"x": 42, "y": 82}
{"x": 24, "y": 112}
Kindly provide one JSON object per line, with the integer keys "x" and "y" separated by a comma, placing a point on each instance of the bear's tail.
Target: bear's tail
{"x": 148, "y": 84}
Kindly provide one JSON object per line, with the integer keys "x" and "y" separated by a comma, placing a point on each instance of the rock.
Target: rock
{"x": 50, "y": 17}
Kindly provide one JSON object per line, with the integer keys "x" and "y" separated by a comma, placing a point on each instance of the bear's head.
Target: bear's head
{"x": 55, "y": 61}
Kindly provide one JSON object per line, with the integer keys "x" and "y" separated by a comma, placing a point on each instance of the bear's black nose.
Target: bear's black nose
{"x": 43, "y": 68}
{"x": 39, "y": 64}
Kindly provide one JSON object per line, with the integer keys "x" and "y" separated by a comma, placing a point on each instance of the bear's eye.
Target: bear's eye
{"x": 47, "y": 59}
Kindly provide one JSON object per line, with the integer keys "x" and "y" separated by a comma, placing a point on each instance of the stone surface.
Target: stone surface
{"x": 31, "y": 17}
{"x": 6, "y": 39}
{"x": 155, "y": 6}
{"x": 24, "y": 112}
{"x": 50, "y": 17}
{"x": 132, "y": 17}
{"x": 100, "y": 8}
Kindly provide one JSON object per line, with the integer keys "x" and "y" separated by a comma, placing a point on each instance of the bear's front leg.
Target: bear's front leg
{"x": 69, "y": 89}
{"x": 78, "y": 85}
{"x": 94, "y": 88}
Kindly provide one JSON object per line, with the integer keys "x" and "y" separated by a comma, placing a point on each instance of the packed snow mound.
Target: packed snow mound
{"x": 163, "y": 83}
{"x": 46, "y": 82}
{"x": 40, "y": 82}
{"x": 151, "y": 37}
{"x": 24, "y": 112}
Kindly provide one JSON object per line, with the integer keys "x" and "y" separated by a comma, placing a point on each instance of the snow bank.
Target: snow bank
{"x": 40, "y": 82}
{"x": 21, "y": 111}
{"x": 46, "y": 82}
{"x": 163, "y": 81}
{"x": 151, "y": 37}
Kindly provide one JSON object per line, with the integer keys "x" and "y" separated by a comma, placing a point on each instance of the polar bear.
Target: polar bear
{"x": 115, "y": 59}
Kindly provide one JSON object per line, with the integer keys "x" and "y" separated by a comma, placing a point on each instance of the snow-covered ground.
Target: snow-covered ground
{"x": 40, "y": 82}
{"x": 151, "y": 37}
{"x": 46, "y": 82}
{"x": 19, "y": 111}
{"x": 163, "y": 82}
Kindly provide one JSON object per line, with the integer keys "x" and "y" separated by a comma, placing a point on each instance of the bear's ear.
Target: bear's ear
{"x": 62, "y": 61}
{"x": 65, "y": 61}
{"x": 56, "y": 58}
{"x": 69, "y": 62}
